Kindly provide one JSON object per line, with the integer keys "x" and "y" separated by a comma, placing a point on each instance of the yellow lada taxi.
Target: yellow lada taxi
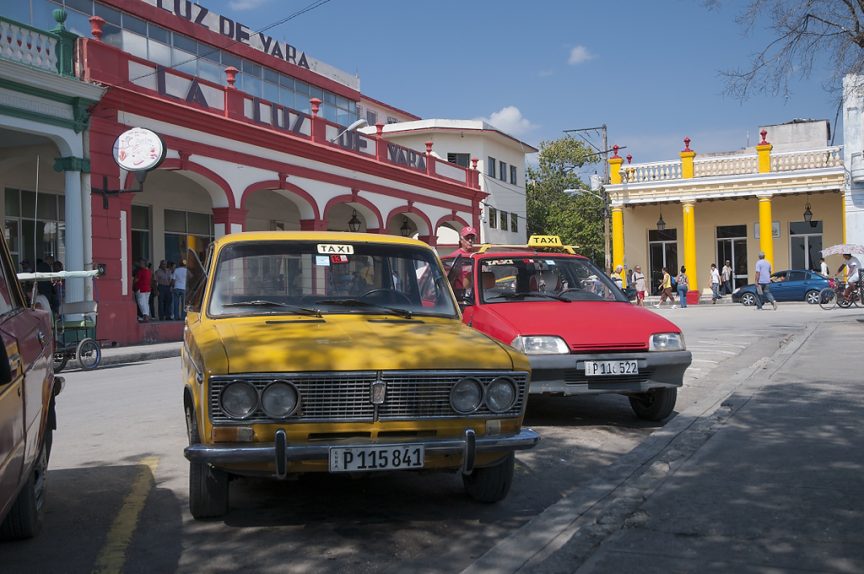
{"x": 335, "y": 352}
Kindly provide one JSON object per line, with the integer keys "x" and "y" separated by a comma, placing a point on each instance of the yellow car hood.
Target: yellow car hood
{"x": 356, "y": 343}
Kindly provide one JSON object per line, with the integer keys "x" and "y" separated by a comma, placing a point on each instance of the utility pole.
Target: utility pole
{"x": 601, "y": 153}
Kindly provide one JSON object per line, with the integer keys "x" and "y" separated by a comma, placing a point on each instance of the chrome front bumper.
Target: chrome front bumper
{"x": 280, "y": 452}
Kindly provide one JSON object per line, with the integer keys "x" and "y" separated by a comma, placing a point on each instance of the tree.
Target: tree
{"x": 578, "y": 220}
{"x": 805, "y": 33}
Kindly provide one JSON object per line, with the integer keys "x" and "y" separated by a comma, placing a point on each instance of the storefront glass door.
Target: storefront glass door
{"x": 662, "y": 252}
{"x": 732, "y": 247}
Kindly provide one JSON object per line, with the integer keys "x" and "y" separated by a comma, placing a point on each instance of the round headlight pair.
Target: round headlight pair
{"x": 468, "y": 395}
{"x": 240, "y": 399}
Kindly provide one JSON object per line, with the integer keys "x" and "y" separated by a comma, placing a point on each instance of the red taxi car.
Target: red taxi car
{"x": 579, "y": 330}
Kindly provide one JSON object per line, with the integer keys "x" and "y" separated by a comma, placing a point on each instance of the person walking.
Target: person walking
{"x": 638, "y": 279}
{"x": 823, "y": 267}
{"x": 163, "y": 284}
{"x": 683, "y": 285}
{"x": 726, "y": 277}
{"x": 666, "y": 290}
{"x": 178, "y": 291}
{"x": 763, "y": 283}
{"x": 616, "y": 276}
{"x": 142, "y": 289}
{"x": 715, "y": 284}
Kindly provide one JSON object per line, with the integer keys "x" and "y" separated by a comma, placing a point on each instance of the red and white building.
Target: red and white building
{"x": 256, "y": 140}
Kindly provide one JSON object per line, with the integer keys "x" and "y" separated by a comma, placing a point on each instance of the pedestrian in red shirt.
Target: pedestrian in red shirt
{"x": 141, "y": 286}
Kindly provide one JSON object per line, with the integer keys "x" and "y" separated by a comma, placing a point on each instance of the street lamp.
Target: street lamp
{"x": 604, "y": 197}
{"x": 354, "y": 223}
{"x": 661, "y": 225}
{"x": 405, "y": 230}
{"x": 361, "y": 123}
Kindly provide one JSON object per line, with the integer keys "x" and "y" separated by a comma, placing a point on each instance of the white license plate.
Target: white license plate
{"x": 611, "y": 368}
{"x": 358, "y": 459}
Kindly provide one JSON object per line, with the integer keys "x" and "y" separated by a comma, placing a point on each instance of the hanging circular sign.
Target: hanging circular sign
{"x": 139, "y": 149}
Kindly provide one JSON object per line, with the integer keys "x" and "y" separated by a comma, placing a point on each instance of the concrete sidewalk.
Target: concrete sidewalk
{"x": 136, "y": 353}
{"x": 771, "y": 479}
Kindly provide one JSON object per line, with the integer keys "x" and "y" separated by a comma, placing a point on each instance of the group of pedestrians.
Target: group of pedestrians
{"x": 161, "y": 294}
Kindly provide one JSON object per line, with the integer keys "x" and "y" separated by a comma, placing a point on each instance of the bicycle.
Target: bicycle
{"x": 835, "y": 295}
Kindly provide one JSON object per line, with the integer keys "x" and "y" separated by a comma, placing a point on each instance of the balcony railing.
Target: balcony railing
{"x": 49, "y": 51}
{"x": 733, "y": 164}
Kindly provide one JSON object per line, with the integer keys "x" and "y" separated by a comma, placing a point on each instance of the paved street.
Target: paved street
{"x": 603, "y": 491}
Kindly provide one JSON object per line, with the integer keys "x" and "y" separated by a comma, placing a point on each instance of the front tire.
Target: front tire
{"x": 89, "y": 354}
{"x": 827, "y": 298}
{"x": 491, "y": 483}
{"x": 25, "y": 518}
{"x": 812, "y": 296}
{"x": 654, "y": 405}
{"x": 208, "y": 491}
{"x": 748, "y": 299}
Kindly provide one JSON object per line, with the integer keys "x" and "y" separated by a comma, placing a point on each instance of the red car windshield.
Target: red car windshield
{"x": 540, "y": 276}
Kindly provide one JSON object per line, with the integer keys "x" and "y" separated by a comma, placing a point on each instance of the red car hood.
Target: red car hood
{"x": 584, "y": 325}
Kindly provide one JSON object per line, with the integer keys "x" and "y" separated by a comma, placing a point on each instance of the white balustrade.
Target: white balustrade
{"x": 28, "y": 46}
{"x": 807, "y": 159}
{"x": 725, "y": 165}
{"x": 646, "y": 172}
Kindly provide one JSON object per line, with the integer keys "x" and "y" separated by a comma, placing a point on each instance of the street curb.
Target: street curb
{"x": 625, "y": 482}
{"x": 139, "y": 356}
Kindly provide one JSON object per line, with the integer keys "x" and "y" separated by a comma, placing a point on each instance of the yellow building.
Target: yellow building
{"x": 695, "y": 211}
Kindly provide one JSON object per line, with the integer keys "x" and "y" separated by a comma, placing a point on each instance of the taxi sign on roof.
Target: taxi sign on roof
{"x": 544, "y": 241}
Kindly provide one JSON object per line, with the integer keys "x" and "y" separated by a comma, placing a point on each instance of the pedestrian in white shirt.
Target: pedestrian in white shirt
{"x": 178, "y": 292}
{"x": 823, "y": 267}
{"x": 715, "y": 284}
{"x": 726, "y": 278}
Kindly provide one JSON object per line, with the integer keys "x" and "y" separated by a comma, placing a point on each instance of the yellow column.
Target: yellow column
{"x": 618, "y": 239}
{"x": 688, "y": 208}
{"x": 615, "y": 167}
{"x": 763, "y": 153}
{"x": 687, "y": 156}
{"x": 766, "y": 235}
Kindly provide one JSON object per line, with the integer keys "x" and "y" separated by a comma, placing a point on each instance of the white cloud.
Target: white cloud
{"x": 243, "y": 5}
{"x": 510, "y": 121}
{"x": 578, "y": 55}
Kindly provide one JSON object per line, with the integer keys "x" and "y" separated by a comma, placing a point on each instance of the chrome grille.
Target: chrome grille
{"x": 330, "y": 397}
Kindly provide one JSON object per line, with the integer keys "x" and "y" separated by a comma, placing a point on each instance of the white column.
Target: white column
{"x": 853, "y": 156}
{"x": 74, "y": 235}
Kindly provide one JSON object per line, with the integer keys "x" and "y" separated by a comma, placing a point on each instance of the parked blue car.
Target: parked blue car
{"x": 790, "y": 285}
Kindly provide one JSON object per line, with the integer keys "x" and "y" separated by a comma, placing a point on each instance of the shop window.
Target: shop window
{"x": 493, "y": 217}
{"x": 38, "y": 231}
{"x": 186, "y": 230}
{"x": 141, "y": 233}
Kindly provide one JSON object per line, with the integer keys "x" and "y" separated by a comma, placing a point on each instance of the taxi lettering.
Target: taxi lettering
{"x": 334, "y": 249}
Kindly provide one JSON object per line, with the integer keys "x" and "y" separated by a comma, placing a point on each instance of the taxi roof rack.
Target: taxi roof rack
{"x": 535, "y": 243}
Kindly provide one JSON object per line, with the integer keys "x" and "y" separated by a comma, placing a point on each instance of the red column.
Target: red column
{"x": 319, "y": 133}
{"x": 313, "y": 225}
{"x": 380, "y": 144}
{"x": 430, "y": 160}
{"x": 228, "y": 216}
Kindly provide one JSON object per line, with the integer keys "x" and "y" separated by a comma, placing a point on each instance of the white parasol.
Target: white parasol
{"x": 844, "y": 248}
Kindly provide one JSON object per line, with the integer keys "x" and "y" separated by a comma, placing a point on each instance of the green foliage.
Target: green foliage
{"x": 577, "y": 219}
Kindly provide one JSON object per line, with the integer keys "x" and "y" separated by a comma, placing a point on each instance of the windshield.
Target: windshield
{"x": 310, "y": 278}
{"x": 537, "y": 277}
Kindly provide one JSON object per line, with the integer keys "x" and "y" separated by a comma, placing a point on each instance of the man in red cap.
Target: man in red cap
{"x": 460, "y": 278}
{"x": 467, "y": 237}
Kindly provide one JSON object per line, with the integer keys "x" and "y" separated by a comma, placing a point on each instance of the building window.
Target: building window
{"x": 493, "y": 217}
{"x": 502, "y": 171}
{"x": 490, "y": 166}
{"x": 805, "y": 241}
{"x": 513, "y": 174}
{"x": 141, "y": 233}
{"x": 392, "y": 120}
{"x": 503, "y": 220}
{"x": 459, "y": 158}
{"x": 187, "y": 230}
{"x": 42, "y": 219}
{"x": 514, "y": 223}
{"x": 371, "y": 117}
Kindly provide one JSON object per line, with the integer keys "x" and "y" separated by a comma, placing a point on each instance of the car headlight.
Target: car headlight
{"x": 239, "y": 400}
{"x": 501, "y": 395}
{"x": 666, "y": 342}
{"x": 279, "y": 400}
{"x": 540, "y": 345}
{"x": 466, "y": 396}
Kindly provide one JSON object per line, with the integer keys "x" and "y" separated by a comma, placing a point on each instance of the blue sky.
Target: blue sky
{"x": 649, "y": 70}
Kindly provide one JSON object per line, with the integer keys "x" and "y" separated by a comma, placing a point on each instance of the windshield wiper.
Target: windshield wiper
{"x": 359, "y": 302}
{"x": 530, "y": 294}
{"x": 274, "y": 304}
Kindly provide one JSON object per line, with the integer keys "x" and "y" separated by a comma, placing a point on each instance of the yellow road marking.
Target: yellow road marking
{"x": 113, "y": 554}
